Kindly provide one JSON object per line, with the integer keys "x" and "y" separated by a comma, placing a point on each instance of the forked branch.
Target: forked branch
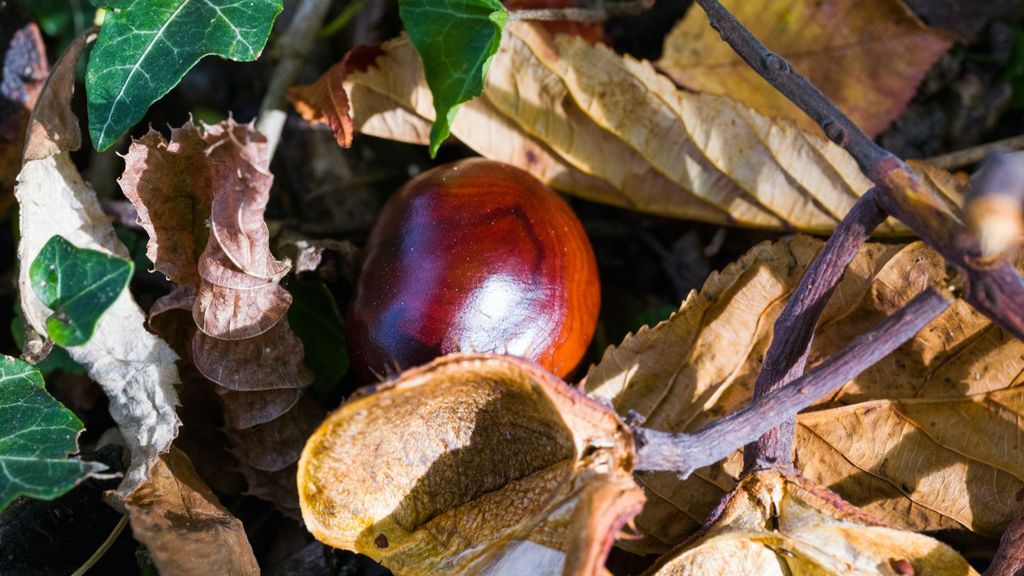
{"x": 685, "y": 453}
{"x": 794, "y": 329}
{"x": 994, "y": 288}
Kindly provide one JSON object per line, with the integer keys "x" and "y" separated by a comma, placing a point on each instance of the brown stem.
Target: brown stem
{"x": 596, "y": 15}
{"x": 685, "y": 453}
{"x": 1009, "y": 559}
{"x": 291, "y": 49}
{"x": 974, "y": 154}
{"x": 996, "y": 289}
{"x": 794, "y": 329}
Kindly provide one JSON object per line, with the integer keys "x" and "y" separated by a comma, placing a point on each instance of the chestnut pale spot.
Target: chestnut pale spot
{"x": 381, "y": 541}
{"x": 474, "y": 256}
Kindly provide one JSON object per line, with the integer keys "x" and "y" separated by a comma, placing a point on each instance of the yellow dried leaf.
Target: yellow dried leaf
{"x": 776, "y": 525}
{"x": 845, "y": 47}
{"x": 611, "y": 129}
{"x": 472, "y": 464}
{"x": 927, "y": 439}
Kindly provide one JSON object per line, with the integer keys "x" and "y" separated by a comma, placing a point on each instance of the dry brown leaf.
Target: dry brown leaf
{"x": 325, "y": 102}
{"x": 776, "y": 525}
{"x": 596, "y": 124}
{"x": 472, "y": 464}
{"x": 183, "y": 525}
{"x": 228, "y": 278}
{"x": 24, "y": 70}
{"x": 845, "y": 47}
{"x": 135, "y": 368}
{"x": 936, "y": 422}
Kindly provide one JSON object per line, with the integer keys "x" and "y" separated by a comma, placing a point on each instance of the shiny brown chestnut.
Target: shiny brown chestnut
{"x": 474, "y": 256}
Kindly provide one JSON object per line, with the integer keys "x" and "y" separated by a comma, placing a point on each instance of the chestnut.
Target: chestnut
{"x": 474, "y": 256}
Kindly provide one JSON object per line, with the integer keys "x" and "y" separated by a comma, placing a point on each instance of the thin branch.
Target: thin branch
{"x": 994, "y": 288}
{"x": 98, "y": 554}
{"x": 291, "y": 49}
{"x": 974, "y": 154}
{"x": 1009, "y": 558}
{"x": 601, "y": 12}
{"x": 794, "y": 329}
{"x": 685, "y": 453}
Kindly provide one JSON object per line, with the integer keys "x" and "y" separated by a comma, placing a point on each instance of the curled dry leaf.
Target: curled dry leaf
{"x": 595, "y": 124}
{"x": 772, "y": 524}
{"x": 226, "y": 275}
{"x": 135, "y": 368}
{"x": 927, "y": 439}
{"x": 845, "y": 47}
{"x": 184, "y": 527}
{"x": 472, "y": 464}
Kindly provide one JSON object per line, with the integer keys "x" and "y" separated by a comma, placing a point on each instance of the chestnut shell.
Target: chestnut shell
{"x": 474, "y": 256}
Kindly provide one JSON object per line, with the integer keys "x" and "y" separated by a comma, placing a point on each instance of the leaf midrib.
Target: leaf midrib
{"x": 137, "y": 66}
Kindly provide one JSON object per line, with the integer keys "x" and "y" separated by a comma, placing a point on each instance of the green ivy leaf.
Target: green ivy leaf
{"x": 456, "y": 40}
{"x": 36, "y": 436}
{"x": 78, "y": 285}
{"x": 316, "y": 320}
{"x": 146, "y": 46}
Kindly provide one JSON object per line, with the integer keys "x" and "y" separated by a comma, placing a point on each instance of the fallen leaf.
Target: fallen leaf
{"x": 325, "y": 102}
{"x": 135, "y": 368}
{"x": 472, "y": 464}
{"x": 184, "y": 527}
{"x": 228, "y": 277}
{"x": 594, "y": 124}
{"x": 924, "y": 440}
{"x": 24, "y": 70}
{"x": 844, "y": 47}
{"x": 772, "y": 524}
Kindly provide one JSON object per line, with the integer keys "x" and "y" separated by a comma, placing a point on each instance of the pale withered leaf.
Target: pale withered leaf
{"x": 135, "y": 368}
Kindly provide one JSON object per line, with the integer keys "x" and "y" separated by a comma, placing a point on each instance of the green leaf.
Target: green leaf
{"x": 315, "y": 318}
{"x": 78, "y": 285}
{"x": 36, "y": 436}
{"x": 146, "y": 46}
{"x": 456, "y": 40}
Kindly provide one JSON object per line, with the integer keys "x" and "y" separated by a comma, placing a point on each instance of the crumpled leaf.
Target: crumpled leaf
{"x": 185, "y": 528}
{"x": 228, "y": 278}
{"x": 135, "y": 368}
{"x": 772, "y": 524}
{"x": 592, "y": 123}
{"x": 472, "y": 464}
{"x": 924, "y": 440}
{"x": 24, "y": 69}
{"x": 37, "y": 434}
{"x": 78, "y": 285}
{"x": 845, "y": 47}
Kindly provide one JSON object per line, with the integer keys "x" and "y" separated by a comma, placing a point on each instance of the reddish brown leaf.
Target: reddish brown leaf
{"x": 183, "y": 525}
{"x": 326, "y": 102}
{"x": 247, "y": 409}
{"x": 277, "y": 444}
{"x": 24, "y": 70}
{"x": 172, "y": 192}
{"x": 260, "y": 363}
